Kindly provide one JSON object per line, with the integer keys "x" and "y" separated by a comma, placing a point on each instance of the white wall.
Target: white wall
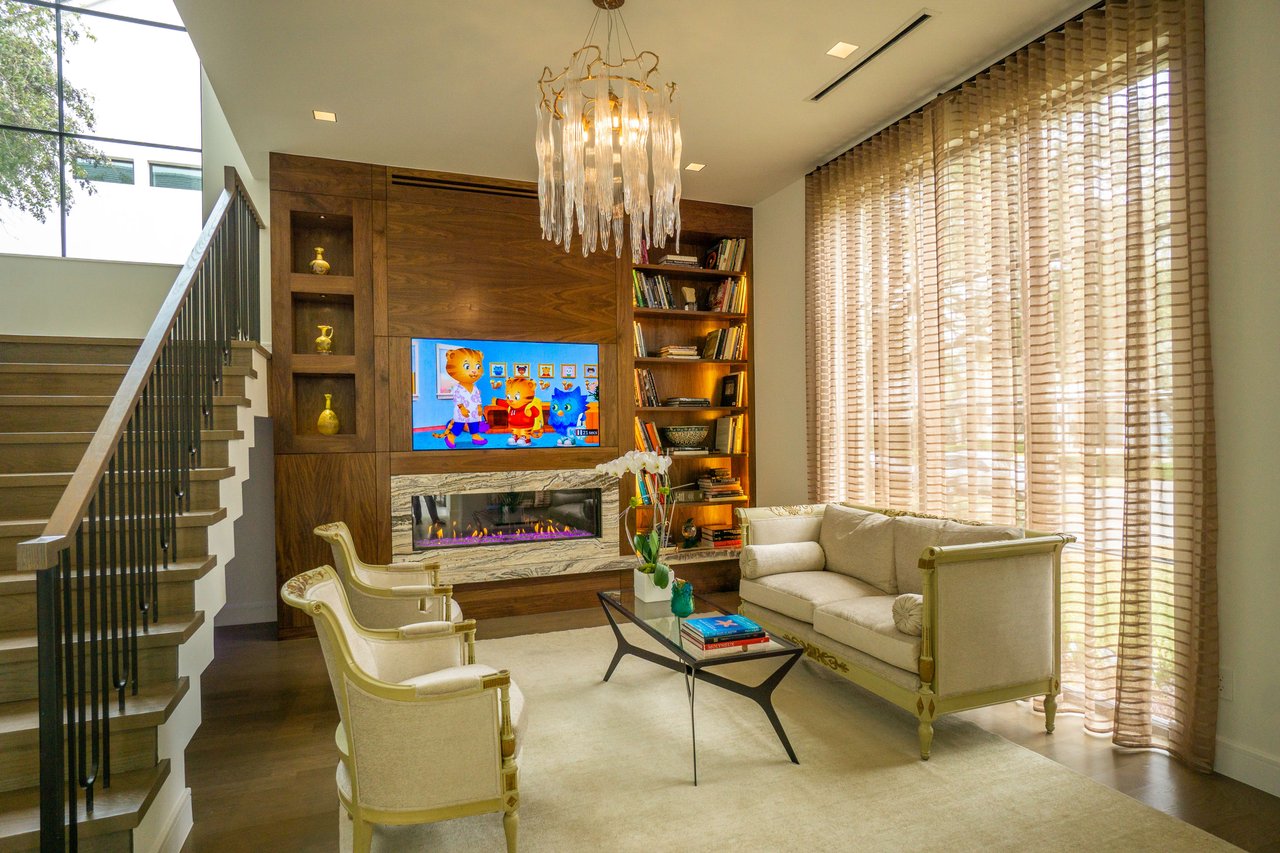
{"x": 65, "y": 296}
{"x": 221, "y": 150}
{"x": 1243, "y": 71}
{"x": 781, "y": 368}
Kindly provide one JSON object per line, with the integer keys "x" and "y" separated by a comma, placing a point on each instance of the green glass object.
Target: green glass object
{"x": 682, "y": 599}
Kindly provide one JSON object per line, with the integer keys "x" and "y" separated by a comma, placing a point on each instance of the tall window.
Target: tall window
{"x": 99, "y": 130}
{"x": 1008, "y": 313}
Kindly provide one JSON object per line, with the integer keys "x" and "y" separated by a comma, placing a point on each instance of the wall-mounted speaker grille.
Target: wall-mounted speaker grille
{"x": 885, "y": 45}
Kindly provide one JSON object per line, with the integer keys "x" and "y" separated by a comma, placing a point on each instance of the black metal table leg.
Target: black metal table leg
{"x": 762, "y": 695}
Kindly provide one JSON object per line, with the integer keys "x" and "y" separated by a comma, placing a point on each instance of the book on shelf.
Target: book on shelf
{"x": 721, "y": 536}
{"x": 725, "y": 344}
{"x": 726, "y": 255}
{"x": 646, "y": 387}
{"x": 688, "y": 451}
{"x": 679, "y": 351}
{"x": 651, "y": 290}
{"x": 730, "y": 434}
{"x": 733, "y": 390}
{"x": 729, "y": 296}
{"x": 685, "y": 496}
{"x": 722, "y": 628}
{"x": 641, "y": 350}
{"x": 647, "y": 436}
{"x": 686, "y": 402}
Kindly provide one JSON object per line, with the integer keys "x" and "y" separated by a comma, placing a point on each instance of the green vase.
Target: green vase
{"x": 682, "y": 599}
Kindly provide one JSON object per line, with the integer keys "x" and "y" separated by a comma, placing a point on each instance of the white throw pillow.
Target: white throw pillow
{"x": 908, "y": 613}
{"x": 859, "y": 544}
{"x": 757, "y": 561}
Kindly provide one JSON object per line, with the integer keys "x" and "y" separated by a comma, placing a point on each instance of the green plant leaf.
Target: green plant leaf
{"x": 661, "y": 576}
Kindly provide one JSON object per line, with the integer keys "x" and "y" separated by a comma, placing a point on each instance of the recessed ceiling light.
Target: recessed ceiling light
{"x": 324, "y": 115}
{"x": 695, "y": 167}
{"x": 842, "y": 49}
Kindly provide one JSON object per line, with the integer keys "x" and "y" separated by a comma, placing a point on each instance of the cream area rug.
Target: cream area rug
{"x": 607, "y": 766}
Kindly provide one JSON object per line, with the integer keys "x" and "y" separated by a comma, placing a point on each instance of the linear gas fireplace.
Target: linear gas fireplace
{"x": 500, "y": 518}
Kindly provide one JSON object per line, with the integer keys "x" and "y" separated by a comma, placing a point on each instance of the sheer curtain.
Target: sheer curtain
{"x": 1007, "y": 308}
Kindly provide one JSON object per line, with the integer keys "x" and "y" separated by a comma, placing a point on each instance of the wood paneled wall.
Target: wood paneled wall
{"x": 446, "y": 256}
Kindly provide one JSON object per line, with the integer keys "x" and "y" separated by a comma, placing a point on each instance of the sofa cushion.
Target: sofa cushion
{"x": 784, "y": 528}
{"x": 912, "y": 535}
{"x": 866, "y": 624}
{"x": 859, "y": 544}
{"x": 797, "y": 594}
{"x": 757, "y": 561}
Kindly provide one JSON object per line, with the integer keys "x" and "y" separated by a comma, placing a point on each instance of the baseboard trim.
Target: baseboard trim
{"x": 246, "y": 613}
{"x": 179, "y": 825}
{"x": 1248, "y": 765}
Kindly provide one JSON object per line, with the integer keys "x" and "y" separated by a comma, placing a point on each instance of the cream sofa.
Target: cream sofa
{"x": 935, "y": 615}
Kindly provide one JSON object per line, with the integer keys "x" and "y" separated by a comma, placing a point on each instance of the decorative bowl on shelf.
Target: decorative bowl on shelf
{"x": 687, "y": 436}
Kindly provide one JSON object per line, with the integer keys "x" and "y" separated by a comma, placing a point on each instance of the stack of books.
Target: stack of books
{"x": 721, "y": 536}
{"x": 731, "y": 434}
{"x": 679, "y": 351}
{"x": 717, "y": 484}
{"x": 646, "y": 388}
{"x": 679, "y": 261}
{"x": 727, "y": 343}
{"x": 687, "y": 402}
{"x": 727, "y": 634}
{"x": 726, "y": 254}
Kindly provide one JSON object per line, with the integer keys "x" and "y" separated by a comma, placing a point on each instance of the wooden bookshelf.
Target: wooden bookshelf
{"x": 699, "y": 378}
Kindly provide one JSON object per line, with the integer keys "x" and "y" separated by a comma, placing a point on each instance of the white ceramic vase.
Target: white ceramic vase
{"x": 647, "y": 590}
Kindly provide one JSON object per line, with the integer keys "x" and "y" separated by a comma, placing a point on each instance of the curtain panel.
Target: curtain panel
{"x": 1007, "y": 314}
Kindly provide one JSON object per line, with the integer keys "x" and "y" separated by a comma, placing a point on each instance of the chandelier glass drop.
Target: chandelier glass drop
{"x": 608, "y": 145}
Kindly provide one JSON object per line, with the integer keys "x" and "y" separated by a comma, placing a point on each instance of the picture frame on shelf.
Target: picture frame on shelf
{"x": 546, "y": 371}
{"x": 498, "y": 369}
{"x": 568, "y": 371}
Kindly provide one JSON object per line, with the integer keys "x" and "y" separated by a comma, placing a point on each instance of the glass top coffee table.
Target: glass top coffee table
{"x": 656, "y": 620}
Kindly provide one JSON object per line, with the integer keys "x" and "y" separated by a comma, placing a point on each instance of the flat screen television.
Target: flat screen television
{"x": 504, "y": 395}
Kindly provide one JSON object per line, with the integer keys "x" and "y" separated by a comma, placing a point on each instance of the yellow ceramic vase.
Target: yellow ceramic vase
{"x": 324, "y": 343}
{"x": 327, "y": 423}
{"x": 319, "y": 265}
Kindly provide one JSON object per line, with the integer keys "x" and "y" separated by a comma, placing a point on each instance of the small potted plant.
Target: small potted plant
{"x": 653, "y": 579}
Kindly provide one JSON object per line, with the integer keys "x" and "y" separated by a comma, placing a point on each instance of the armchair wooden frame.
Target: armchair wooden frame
{"x": 387, "y": 596}
{"x": 348, "y": 677}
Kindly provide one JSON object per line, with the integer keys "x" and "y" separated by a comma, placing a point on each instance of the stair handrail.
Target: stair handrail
{"x": 116, "y": 525}
{"x": 41, "y": 552}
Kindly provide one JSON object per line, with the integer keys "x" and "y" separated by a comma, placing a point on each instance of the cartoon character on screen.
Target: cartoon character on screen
{"x": 465, "y": 366}
{"x": 524, "y": 411}
{"x": 567, "y": 407}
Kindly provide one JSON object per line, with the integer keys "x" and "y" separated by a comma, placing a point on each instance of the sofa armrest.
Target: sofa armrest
{"x": 772, "y": 525}
{"x": 991, "y": 614}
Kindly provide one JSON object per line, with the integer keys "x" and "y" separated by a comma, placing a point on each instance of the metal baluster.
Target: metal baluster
{"x": 72, "y": 707}
{"x": 102, "y": 691}
{"x": 53, "y": 799}
{"x": 81, "y": 667}
{"x": 115, "y": 507}
{"x": 135, "y": 543}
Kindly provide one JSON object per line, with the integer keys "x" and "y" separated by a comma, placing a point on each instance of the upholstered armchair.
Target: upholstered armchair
{"x": 392, "y": 595}
{"x": 426, "y": 734}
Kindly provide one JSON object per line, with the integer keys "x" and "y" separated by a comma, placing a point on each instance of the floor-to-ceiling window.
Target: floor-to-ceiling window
{"x": 99, "y": 130}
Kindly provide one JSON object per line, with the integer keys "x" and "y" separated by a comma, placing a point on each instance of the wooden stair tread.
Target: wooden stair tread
{"x": 70, "y": 339}
{"x": 61, "y": 367}
{"x": 61, "y": 478}
{"x": 150, "y": 707}
{"x": 115, "y": 809}
{"x": 85, "y": 436}
{"x": 178, "y": 571}
{"x": 90, "y": 400}
{"x": 168, "y": 631}
{"x": 35, "y": 526}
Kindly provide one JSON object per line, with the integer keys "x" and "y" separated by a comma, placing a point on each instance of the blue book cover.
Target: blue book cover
{"x": 721, "y": 627}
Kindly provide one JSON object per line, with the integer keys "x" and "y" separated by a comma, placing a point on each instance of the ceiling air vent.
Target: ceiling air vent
{"x": 514, "y": 188}
{"x": 898, "y": 36}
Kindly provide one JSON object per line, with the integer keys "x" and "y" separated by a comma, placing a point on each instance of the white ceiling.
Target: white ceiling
{"x": 451, "y": 84}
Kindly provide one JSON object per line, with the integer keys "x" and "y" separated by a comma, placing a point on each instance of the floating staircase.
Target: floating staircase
{"x": 53, "y": 394}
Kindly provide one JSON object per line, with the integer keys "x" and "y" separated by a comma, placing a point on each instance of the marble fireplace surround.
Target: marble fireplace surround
{"x": 477, "y": 563}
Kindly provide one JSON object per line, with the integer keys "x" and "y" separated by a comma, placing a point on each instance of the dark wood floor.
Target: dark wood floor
{"x": 261, "y": 766}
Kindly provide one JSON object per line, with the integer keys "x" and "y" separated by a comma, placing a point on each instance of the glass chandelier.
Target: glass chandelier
{"x": 608, "y": 145}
